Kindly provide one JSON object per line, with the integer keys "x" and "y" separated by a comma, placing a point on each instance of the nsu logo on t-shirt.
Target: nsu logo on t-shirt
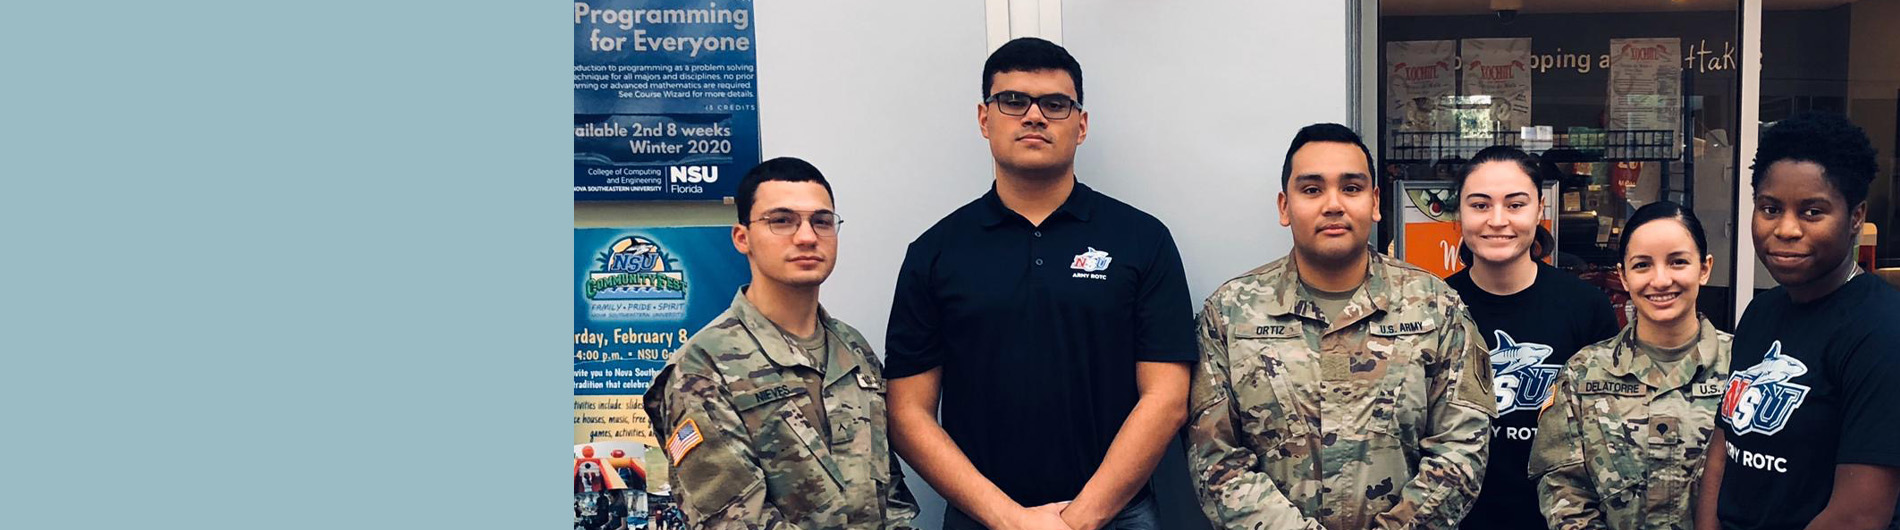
{"x": 1522, "y": 381}
{"x": 1761, "y": 398}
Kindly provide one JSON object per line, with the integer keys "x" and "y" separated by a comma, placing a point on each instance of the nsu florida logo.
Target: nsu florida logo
{"x": 1523, "y": 382}
{"x": 687, "y": 179}
{"x": 692, "y": 174}
{"x": 1763, "y": 397}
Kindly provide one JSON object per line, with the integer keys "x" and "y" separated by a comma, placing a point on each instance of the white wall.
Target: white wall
{"x": 1191, "y": 107}
{"x": 882, "y": 96}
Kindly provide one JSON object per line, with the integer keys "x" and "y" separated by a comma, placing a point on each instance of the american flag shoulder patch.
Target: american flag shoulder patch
{"x": 685, "y": 438}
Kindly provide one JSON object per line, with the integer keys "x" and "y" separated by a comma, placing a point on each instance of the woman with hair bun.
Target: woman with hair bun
{"x": 1620, "y": 444}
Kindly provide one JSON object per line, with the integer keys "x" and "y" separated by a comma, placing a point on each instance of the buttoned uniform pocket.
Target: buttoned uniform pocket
{"x": 1367, "y": 397}
{"x": 1681, "y": 422}
{"x": 1615, "y": 423}
{"x": 860, "y": 449}
{"x": 858, "y": 423}
{"x": 1620, "y": 498}
{"x": 790, "y": 449}
{"x": 1262, "y": 360}
{"x": 1398, "y": 347}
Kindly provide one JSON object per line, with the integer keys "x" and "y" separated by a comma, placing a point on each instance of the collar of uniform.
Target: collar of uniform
{"x": 1622, "y": 359}
{"x": 839, "y": 365}
{"x": 1080, "y": 205}
{"x": 778, "y": 347}
{"x": 1288, "y": 298}
{"x": 1628, "y": 361}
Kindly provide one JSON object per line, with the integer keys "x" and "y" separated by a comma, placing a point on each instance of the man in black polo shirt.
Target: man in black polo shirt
{"x": 1053, "y": 322}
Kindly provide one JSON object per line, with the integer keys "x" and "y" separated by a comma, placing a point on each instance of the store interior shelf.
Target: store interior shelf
{"x": 1616, "y": 145}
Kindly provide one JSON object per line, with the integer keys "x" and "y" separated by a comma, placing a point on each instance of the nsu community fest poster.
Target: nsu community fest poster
{"x": 640, "y": 294}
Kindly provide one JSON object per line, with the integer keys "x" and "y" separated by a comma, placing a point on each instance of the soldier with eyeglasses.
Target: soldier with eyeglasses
{"x": 772, "y": 416}
{"x": 1051, "y": 322}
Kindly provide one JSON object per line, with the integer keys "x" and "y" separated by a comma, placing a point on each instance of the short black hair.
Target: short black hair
{"x": 1030, "y": 54}
{"x": 1841, "y": 148}
{"x": 1542, "y": 242}
{"x": 783, "y": 169}
{"x": 1663, "y": 210}
{"x": 1325, "y": 132}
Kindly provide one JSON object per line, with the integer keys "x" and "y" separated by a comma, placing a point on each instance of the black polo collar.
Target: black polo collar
{"x": 1080, "y": 205}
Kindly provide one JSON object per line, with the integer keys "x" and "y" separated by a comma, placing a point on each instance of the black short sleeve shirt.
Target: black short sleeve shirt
{"x": 1037, "y": 330}
{"x": 1813, "y": 385}
{"x": 1550, "y": 320}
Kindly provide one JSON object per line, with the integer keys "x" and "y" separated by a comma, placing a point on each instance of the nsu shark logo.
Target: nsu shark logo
{"x": 1522, "y": 382}
{"x": 1763, "y": 397}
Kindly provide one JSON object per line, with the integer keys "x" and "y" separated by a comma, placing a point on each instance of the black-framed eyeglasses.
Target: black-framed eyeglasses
{"x": 786, "y": 222}
{"x": 1013, "y": 103}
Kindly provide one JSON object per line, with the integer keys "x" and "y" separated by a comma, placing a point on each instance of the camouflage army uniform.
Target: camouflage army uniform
{"x": 783, "y": 445}
{"x": 1379, "y": 419}
{"x": 1621, "y": 444}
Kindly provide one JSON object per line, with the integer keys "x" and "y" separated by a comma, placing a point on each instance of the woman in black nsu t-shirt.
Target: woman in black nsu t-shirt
{"x": 1533, "y": 316}
{"x": 1809, "y": 427}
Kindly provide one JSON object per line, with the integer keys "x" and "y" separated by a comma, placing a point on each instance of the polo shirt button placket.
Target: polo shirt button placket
{"x": 1033, "y": 249}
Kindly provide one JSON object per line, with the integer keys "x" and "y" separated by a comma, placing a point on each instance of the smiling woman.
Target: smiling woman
{"x": 1811, "y": 421}
{"x": 1811, "y": 187}
{"x": 1534, "y": 317}
{"x": 1664, "y": 267}
{"x": 1500, "y": 204}
{"x": 1662, "y": 376}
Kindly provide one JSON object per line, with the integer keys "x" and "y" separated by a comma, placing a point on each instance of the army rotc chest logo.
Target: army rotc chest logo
{"x": 1091, "y": 263}
{"x": 1763, "y": 397}
{"x": 1523, "y": 382}
{"x": 636, "y": 279}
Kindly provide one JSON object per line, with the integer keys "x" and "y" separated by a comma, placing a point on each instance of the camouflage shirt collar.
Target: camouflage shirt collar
{"x": 778, "y": 347}
{"x": 1630, "y": 362}
{"x": 841, "y": 364}
{"x": 1287, "y": 298}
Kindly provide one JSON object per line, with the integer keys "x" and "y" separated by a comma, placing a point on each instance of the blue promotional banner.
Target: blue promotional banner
{"x": 666, "y": 102}
{"x": 640, "y": 293}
